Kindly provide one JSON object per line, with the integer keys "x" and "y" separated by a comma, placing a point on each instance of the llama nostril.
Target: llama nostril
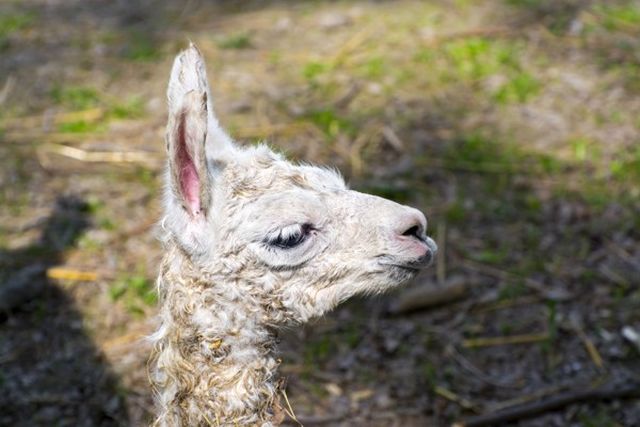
{"x": 411, "y": 224}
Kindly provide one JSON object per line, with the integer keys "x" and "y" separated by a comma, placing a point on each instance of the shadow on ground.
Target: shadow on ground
{"x": 50, "y": 372}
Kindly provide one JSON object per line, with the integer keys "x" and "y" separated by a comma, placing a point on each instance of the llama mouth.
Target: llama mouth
{"x": 405, "y": 267}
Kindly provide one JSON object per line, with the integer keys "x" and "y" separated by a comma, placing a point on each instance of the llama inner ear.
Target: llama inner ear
{"x": 186, "y": 137}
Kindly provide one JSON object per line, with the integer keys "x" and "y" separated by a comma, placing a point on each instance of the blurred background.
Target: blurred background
{"x": 514, "y": 124}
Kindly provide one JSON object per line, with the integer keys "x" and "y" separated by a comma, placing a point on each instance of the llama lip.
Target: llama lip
{"x": 422, "y": 249}
{"x": 413, "y": 264}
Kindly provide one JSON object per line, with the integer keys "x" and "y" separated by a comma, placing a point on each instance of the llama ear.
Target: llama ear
{"x": 190, "y": 123}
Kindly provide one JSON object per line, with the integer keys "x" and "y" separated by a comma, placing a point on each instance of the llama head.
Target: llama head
{"x": 291, "y": 239}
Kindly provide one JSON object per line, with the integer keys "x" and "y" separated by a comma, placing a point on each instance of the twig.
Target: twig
{"x": 626, "y": 256}
{"x": 324, "y": 419}
{"x": 101, "y": 156}
{"x": 441, "y": 266}
{"x": 499, "y": 305}
{"x": 290, "y": 412}
{"x": 349, "y": 95}
{"x": 393, "y": 139}
{"x": 473, "y": 32}
{"x": 536, "y": 395}
{"x": 588, "y": 344}
{"x": 449, "y": 395}
{"x": 349, "y": 46}
{"x": 28, "y": 122}
{"x": 632, "y": 336}
{"x": 45, "y": 137}
{"x": 554, "y": 295}
{"x": 552, "y": 404}
{"x": 62, "y": 273}
{"x": 471, "y": 368}
{"x": 425, "y": 296}
{"x": 6, "y": 89}
{"x": 512, "y": 339}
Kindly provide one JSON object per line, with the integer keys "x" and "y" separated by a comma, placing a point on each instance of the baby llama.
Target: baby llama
{"x": 254, "y": 243}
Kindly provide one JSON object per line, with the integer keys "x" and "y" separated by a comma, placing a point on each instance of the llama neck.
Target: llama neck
{"x": 214, "y": 353}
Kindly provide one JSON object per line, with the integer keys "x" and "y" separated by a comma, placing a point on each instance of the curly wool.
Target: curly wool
{"x": 213, "y": 353}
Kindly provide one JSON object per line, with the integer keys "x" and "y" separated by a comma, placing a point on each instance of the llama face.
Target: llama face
{"x": 292, "y": 234}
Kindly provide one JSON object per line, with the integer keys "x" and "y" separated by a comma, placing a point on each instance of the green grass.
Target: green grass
{"x": 374, "y": 68}
{"x": 477, "y": 152}
{"x": 136, "y": 292}
{"x": 519, "y": 88}
{"x": 620, "y": 16}
{"x": 476, "y": 59}
{"x": 81, "y": 126}
{"x": 318, "y": 350}
{"x": 235, "y": 41}
{"x": 142, "y": 47}
{"x": 489, "y": 256}
{"x": 331, "y": 123}
{"x": 601, "y": 418}
{"x": 314, "y": 69}
{"x": 429, "y": 373}
{"x": 400, "y": 195}
{"x": 76, "y": 97}
{"x": 526, "y": 3}
{"x": 626, "y": 167}
{"x": 131, "y": 108}
{"x": 11, "y": 23}
{"x": 455, "y": 213}
{"x": 79, "y": 98}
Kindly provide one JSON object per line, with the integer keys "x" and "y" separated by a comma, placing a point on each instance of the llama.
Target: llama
{"x": 254, "y": 243}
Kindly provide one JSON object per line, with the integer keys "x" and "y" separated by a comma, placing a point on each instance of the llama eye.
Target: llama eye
{"x": 289, "y": 237}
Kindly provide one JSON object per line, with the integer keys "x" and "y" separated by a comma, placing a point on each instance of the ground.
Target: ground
{"x": 515, "y": 125}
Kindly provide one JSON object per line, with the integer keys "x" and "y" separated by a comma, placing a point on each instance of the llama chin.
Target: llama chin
{"x": 254, "y": 243}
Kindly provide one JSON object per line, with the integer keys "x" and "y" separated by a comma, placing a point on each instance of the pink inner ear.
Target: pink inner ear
{"x": 188, "y": 176}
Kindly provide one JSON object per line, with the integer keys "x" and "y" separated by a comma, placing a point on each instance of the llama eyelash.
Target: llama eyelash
{"x": 288, "y": 237}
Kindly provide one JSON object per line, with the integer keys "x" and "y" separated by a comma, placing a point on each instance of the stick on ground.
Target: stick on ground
{"x": 553, "y": 403}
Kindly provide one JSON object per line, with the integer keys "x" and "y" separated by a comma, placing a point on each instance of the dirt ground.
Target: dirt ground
{"x": 514, "y": 125}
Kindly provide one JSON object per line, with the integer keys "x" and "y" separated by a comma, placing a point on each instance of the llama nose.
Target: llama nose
{"x": 412, "y": 224}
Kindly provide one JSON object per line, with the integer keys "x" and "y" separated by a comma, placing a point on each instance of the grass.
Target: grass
{"x": 519, "y": 88}
{"x": 619, "y": 16}
{"x": 81, "y": 98}
{"x": 399, "y": 194}
{"x": 318, "y": 350}
{"x": 142, "y": 47}
{"x": 75, "y": 97}
{"x": 11, "y": 23}
{"x": 601, "y": 418}
{"x": 476, "y": 59}
{"x": 312, "y": 70}
{"x": 374, "y": 68}
{"x": 331, "y": 123}
{"x": 131, "y": 108}
{"x": 235, "y": 41}
{"x": 136, "y": 292}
